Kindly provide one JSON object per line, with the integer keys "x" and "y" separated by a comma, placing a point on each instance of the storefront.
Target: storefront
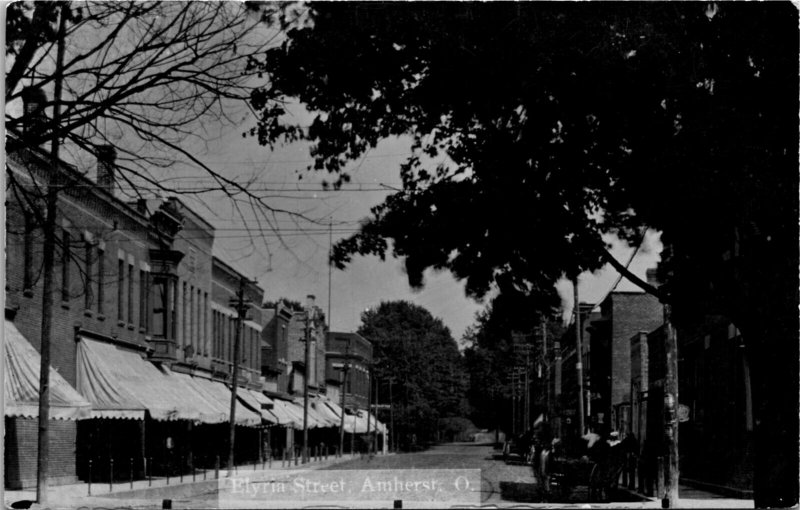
{"x": 67, "y": 408}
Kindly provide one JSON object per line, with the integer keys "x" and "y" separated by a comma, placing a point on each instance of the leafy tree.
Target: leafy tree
{"x": 559, "y": 123}
{"x": 419, "y": 355}
{"x": 490, "y": 356}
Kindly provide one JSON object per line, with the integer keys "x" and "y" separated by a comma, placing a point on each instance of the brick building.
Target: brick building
{"x": 225, "y": 285}
{"x": 275, "y": 349}
{"x": 103, "y": 248}
{"x": 283, "y": 344}
{"x": 622, "y": 315}
{"x": 296, "y": 346}
{"x": 716, "y": 439}
{"x": 714, "y": 394}
{"x": 348, "y": 353}
{"x": 142, "y": 331}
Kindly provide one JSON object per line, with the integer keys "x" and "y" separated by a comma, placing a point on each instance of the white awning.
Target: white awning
{"x": 249, "y": 398}
{"x": 221, "y": 395}
{"x": 120, "y": 383}
{"x": 21, "y": 383}
{"x": 315, "y": 419}
{"x": 210, "y": 412}
{"x": 286, "y": 414}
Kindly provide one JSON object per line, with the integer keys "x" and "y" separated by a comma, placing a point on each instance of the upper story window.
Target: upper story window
{"x": 87, "y": 292}
{"x": 101, "y": 279}
{"x": 163, "y": 299}
{"x": 143, "y": 300}
{"x": 130, "y": 293}
{"x": 205, "y": 324}
{"x": 121, "y": 290}
{"x": 65, "y": 255}
{"x": 27, "y": 276}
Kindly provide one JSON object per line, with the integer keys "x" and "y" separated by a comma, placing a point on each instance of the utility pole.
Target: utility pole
{"x": 557, "y": 377}
{"x": 391, "y": 415}
{"x": 547, "y": 370}
{"x": 241, "y": 306}
{"x": 513, "y": 403}
{"x": 310, "y": 317}
{"x": 43, "y": 454}
{"x": 670, "y": 412}
{"x": 330, "y": 268}
{"x": 345, "y": 369}
{"x": 527, "y": 389}
{"x": 579, "y": 357}
{"x": 369, "y": 405}
{"x": 376, "y": 402}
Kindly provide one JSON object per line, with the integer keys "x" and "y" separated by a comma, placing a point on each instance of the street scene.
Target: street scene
{"x": 401, "y": 255}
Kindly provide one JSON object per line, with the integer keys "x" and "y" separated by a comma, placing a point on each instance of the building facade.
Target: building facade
{"x": 622, "y": 315}
{"x": 348, "y": 360}
{"x": 134, "y": 333}
{"x": 275, "y": 367}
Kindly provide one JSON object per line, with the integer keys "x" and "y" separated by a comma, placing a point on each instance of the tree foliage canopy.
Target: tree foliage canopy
{"x": 417, "y": 352}
{"x": 490, "y": 357}
{"x": 554, "y": 124}
{"x": 537, "y": 128}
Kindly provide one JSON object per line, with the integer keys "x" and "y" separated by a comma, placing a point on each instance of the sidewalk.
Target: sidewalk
{"x": 689, "y": 497}
{"x": 150, "y": 493}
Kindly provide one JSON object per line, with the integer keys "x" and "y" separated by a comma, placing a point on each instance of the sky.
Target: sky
{"x": 294, "y": 265}
{"x": 300, "y": 267}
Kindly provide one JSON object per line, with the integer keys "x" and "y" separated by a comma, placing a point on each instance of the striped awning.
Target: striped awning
{"x": 327, "y": 412}
{"x": 211, "y": 412}
{"x": 220, "y": 394}
{"x": 287, "y": 418}
{"x": 315, "y": 419}
{"x": 121, "y": 384}
{"x": 21, "y": 383}
{"x": 356, "y": 423}
{"x": 251, "y": 399}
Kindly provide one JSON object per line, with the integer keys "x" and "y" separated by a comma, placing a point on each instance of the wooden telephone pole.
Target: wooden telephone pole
{"x": 311, "y": 316}
{"x": 43, "y": 454}
{"x": 241, "y": 306}
{"x": 579, "y": 357}
{"x": 670, "y": 411}
{"x": 345, "y": 369}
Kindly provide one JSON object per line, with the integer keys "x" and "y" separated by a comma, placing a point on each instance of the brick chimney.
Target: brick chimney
{"x": 34, "y": 100}
{"x": 106, "y": 168}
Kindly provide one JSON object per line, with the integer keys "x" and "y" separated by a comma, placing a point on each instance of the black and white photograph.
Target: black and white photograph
{"x": 401, "y": 254}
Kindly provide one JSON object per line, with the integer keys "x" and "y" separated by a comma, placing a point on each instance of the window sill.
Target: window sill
{"x": 142, "y": 331}
{"x": 101, "y": 317}
{"x": 88, "y": 313}
{"x": 65, "y": 305}
{"x": 131, "y": 327}
{"x": 27, "y": 293}
{"x": 121, "y": 324}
